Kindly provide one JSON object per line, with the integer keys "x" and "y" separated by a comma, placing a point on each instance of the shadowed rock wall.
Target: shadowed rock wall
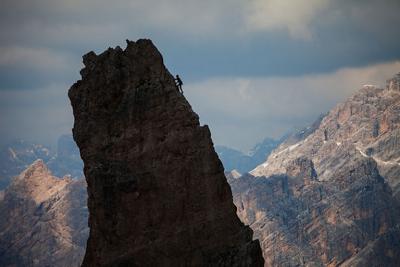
{"x": 157, "y": 191}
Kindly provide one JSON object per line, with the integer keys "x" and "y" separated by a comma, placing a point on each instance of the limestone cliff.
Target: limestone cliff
{"x": 367, "y": 122}
{"x": 330, "y": 197}
{"x": 18, "y": 155}
{"x": 43, "y": 220}
{"x": 157, "y": 191}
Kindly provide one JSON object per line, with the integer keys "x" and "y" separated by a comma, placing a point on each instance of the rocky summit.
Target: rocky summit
{"x": 365, "y": 126}
{"x": 331, "y": 196}
{"x": 43, "y": 220}
{"x": 18, "y": 155}
{"x": 157, "y": 191}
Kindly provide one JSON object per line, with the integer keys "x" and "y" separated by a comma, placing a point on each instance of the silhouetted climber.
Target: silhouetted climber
{"x": 179, "y": 83}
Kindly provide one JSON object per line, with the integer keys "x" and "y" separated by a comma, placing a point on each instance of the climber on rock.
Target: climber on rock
{"x": 179, "y": 83}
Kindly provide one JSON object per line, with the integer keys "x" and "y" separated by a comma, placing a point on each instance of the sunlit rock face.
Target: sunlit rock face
{"x": 43, "y": 220}
{"x": 393, "y": 83}
{"x": 18, "y": 155}
{"x": 368, "y": 124}
{"x": 331, "y": 197}
{"x": 157, "y": 191}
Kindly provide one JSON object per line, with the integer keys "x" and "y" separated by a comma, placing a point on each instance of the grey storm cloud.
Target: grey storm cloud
{"x": 202, "y": 38}
{"x": 228, "y": 52}
{"x": 243, "y": 110}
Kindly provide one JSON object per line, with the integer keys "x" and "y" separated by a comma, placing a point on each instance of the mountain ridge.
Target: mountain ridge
{"x": 18, "y": 155}
{"x": 330, "y": 197}
{"x": 44, "y": 219}
{"x": 245, "y": 162}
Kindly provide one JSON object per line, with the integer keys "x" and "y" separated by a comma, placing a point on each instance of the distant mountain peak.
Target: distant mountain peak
{"x": 333, "y": 180}
{"x": 235, "y": 159}
{"x": 43, "y": 219}
{"x": 37, "y": 183}
{"x": 232, "y": 175}
{"x": 38, "y": 165}
{"x": 18, "y": 155}
{"x": 235, "y": 173}
{"x": 393, "y": 83}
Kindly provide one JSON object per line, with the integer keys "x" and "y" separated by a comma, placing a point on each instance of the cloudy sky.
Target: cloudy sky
{"x": 251, "y": 68}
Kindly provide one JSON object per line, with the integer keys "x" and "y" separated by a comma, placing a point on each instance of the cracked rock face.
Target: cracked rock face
{"x": 366, "y": 125}
{"x": 351, "y": 219}
{"x": 43, "y": 220}
{"x": 157, "y": 191}
{"x": 331, "y": 196}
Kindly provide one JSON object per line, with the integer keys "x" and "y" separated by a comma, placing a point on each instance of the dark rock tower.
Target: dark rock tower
{"x": 157, "y": 191}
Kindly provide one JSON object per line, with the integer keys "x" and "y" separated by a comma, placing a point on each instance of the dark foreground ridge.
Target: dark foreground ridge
{"x": 157, "y": 191}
